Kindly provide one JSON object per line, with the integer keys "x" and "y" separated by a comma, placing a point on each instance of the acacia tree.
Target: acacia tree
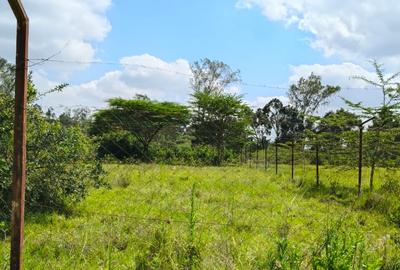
{"x": 219, "y": 119}
{"x": 381, "y": 114}
{"x": 143, "y": 118}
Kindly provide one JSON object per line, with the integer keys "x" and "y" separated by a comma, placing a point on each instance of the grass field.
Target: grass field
{"x": 174, "y": 217}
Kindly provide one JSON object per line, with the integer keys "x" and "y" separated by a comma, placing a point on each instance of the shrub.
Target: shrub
{"x": 61, "y": 162}
{"x": 341, "y": 249}
{"x": 61, "y": 165}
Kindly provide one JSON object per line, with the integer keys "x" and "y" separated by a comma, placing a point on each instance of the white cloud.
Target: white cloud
{"x": 261, "y": 101}
{"x": 353, "y": 30}
{"x": 143, "y": 74}
{"x": 342, "y": 75}
{"x": 71, "y": 26}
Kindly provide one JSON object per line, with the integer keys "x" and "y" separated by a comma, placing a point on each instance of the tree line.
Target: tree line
{"x": 65, "y": 151}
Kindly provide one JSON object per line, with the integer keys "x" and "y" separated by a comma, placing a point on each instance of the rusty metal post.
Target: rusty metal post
{"x": 257, "y": 155}
{"x": 317, "y": 160}
{"x": 292, "y": 146}
{"x": 276, "y": 157}
{"x": 265, "y": 156}
{"x": 19, "y": 163}
{"x": 360, "y": 156}
{"x": 250, "y": 155}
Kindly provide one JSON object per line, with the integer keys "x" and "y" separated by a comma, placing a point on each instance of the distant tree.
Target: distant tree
{"x": 79, "y": 117}
{"x": 273, "y": 114}
{"x": 261, "y": 126}
{"x": 143, "y": 118}
{"x": 219, "y": 119}
{"x": 309, "y": 94}
{"x": 211, "y": 76}
{"x": 339, "y": 121}
{"x": 285, "y": 121}
{"x": 292, "y": 124}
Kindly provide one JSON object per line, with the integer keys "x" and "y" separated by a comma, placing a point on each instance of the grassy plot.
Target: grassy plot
{"x": 173, "y": 217}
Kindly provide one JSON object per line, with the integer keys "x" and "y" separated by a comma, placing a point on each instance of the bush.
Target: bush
{"x": 61, "y": 165}
{"x": 199, "y": 155}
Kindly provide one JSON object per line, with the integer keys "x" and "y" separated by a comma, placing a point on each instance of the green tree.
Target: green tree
{"x": 76, "y": 117}
{"x": 382, "y": 114}
{"x": 309, "y": 94}
{"x": 274, "y": 116}
{"x": 292, "y": 124}
{"x": 211, "y": 76}
{"x": 143, "y": 118}
{"x": 338, "y": 121}
{"x": 261, "y": 127}
{"x": 219, "y": 119}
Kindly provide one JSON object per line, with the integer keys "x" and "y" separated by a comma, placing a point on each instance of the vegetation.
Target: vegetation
{"x": 219, "y": 119}
{"x": 234, "y": 216}
{"x": 61, "y": 160}
{"x": 176, "y": 217}
{"x": 142, "y": 118}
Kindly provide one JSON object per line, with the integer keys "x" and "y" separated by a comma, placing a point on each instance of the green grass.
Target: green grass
{"x": 176, "y": 217}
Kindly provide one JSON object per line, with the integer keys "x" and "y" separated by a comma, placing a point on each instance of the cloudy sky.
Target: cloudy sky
{"x": 110, "y": 48}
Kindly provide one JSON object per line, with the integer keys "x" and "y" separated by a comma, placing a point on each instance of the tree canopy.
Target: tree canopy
{"x": 143, "y": 118}
{"x": 309, "y": 94}
{"x": 219, "y": 118}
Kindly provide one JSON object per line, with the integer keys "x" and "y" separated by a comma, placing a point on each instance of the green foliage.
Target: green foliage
{"x": 146, "y": 224}
{"x": 219, "y": 119}
{"x": 211, "y": 76}
{"x": 285, "y": 256}
{"x": 342, "y": 250}
{"x": 60, "y": 160}
{"x": 309, "y": 94}
{"x": 61, "y": 164}
{"x": 76, "y": 117}
{"x": 285, "y": 121}
{"x": 119, "y": 145}
{"x": 142, "y": 118}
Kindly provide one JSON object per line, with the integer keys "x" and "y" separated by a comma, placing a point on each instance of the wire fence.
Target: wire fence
{"x": 318, "y": 155}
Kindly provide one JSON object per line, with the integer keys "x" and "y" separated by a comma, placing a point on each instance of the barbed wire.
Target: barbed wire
{"x": 41, "y": 61}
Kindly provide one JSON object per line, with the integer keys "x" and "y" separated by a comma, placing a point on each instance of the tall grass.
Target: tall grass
{"x": 174, "y": 217}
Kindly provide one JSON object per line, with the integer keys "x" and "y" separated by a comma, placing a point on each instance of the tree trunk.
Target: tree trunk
{"x": 373, "y": 163}
{"x": 371, "y": 178}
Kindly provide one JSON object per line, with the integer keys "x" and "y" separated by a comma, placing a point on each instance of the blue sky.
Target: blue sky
{"x": 262, "y": 50}
{"x": 272, "y": 42}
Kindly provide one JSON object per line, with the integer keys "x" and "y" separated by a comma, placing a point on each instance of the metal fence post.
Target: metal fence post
{"x": 257, "y": 155}
{"x": 360, "y": 156}
{"x": 265, "y": 156}
{"x": 292, "y": 146}
{"x": 317, "y": 160}
{"x": 19, "y": 162}
{"x": 276, "y": 157}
